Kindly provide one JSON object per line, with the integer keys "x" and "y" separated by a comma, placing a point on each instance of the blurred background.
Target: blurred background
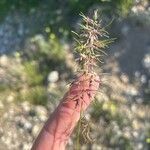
{"x": 37, "y": 64}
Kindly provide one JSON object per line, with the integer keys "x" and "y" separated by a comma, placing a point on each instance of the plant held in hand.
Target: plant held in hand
{"x": 60, "y": 125}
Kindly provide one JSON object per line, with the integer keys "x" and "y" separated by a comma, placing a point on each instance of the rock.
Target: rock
{"x": 1, "y": 105}
{"x": 53, "y": 77}
{"x": 139, "y": 100}
{"x": 132, "y": 91}
{"x": 35, "y": 130}
{"x": 127, "y": 133}
{"x": 26, "y": 106}
{"x": 28, "y": 126}
{"x": 10, "y": 98}
{"x": 143, "y": 79}
{"x": 136, "y": 125}
{"x": 41, "y": 113}
{"x": 146, "y": 62}
{"x": 3, "y": 60}
{"x": 26, "y": 146}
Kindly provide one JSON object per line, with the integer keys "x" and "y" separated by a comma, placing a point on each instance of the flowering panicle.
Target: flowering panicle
{"x": 90, "y": 42}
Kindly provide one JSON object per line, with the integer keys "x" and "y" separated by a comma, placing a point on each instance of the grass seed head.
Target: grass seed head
{"x": 91, "y": 42}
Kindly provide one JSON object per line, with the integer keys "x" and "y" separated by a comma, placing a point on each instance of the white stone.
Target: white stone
{"x": 41, "y": 113}
{"x": 26, "y": 106}
{"x": 146, "y": 61}
{"x": 35, "y": 130}
{"x": 132, "y": 91}
{"x": 53, "y": 76}
{"x": 3, "y": 60}
{"x": 26, "y": 146}
{"x": 27, "y": 125}
{"x": 1, "y": 105}
{"x": 10, "y": 98}
{"x": 143, "y": 79}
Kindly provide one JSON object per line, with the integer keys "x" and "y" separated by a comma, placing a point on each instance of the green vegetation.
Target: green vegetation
{"x": 123, "y": 6}
{"x": 48, "y": 54}
{"x": 62, "y": 15}
{"x": 36, "y": 95}
{"x": 6, "y": 5}
{"x": 74, "y": 5}
{"x": 120, "y": 7}
{"x": 33, "y": 75}
{"x": 27, "y": 76}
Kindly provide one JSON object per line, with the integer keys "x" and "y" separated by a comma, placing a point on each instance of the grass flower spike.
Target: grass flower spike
{"x": 61, "y": 123}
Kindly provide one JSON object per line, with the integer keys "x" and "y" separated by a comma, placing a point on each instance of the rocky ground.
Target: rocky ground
{"x": 118, "y": 112}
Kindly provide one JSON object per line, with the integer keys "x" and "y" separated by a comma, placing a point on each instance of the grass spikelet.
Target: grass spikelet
{"x": 90, "y": 44}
